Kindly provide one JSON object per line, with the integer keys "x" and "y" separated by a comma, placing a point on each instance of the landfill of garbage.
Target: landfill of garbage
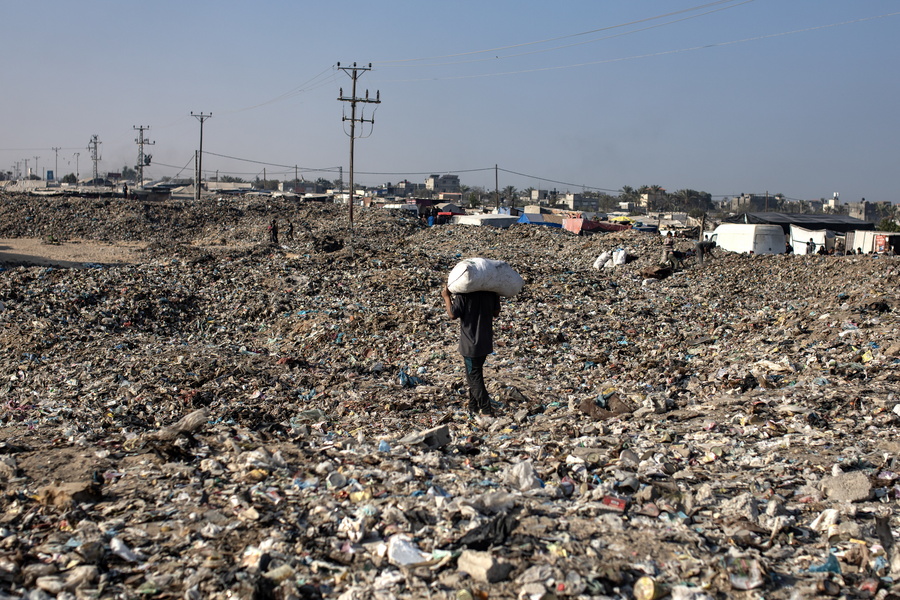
{"x": 231, "y": 418}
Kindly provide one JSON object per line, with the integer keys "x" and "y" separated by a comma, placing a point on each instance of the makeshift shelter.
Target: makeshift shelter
{"x": 540, "y": 219}
{"x": 449, "y": 207}
{"x": 800, "y": 236}
{"x": 874, "y": 241}
{"x": 578, "y": 226}
{"x": 500, "y": 221}
{"x": 837, "y": 223}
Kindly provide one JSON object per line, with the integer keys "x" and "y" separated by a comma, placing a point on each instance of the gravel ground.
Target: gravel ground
{"x": 219, "y": 417}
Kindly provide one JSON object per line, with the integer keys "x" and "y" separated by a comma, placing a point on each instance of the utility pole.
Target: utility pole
{"x": 497, "y": 187}
{"x": 26, "y": 168}
{"x": 142, "y": 159}
{"x": 94, "y": 147}
{"x": 200, "y": 117}
{"x": 56, "y": 164}
{"x": 77, "y": 174}
{"x": 355, "y": 72}
{"x": 36, "y": 170}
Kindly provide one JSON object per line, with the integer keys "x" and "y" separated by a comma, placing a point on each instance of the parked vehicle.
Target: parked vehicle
{"x": 750, "y": 238}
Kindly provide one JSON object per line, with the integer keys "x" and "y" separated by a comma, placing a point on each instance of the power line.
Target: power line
{"x": 571, "y": 35}
{"x": 649, "y": 55}
{"x": 269, "y": 164}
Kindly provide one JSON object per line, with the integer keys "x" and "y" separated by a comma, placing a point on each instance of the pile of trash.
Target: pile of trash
{"x": 231, "y": 418}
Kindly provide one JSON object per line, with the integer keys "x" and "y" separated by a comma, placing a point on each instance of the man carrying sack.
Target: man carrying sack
{"x": 476, "y": 312}
{"x": 472, "y": 295}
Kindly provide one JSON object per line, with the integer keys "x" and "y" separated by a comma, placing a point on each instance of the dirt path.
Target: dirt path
{"x": 73, "y": 253}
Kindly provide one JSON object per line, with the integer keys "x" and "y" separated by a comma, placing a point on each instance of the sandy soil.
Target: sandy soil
{"x": 72, "y": 253}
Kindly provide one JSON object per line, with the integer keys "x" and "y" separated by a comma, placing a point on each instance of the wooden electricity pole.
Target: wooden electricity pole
{"x": 355, "y": 72}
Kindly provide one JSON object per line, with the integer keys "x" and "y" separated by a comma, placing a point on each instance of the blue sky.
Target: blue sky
{"x": 787, "y": 96}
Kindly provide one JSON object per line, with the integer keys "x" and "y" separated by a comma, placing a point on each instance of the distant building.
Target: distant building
{"x": 442, "y": 183}
{"x": 579, "y": 202}
{"x": 539, "y": 196}
{"x": 652, "y": 200}
{"x": 405, "y": 188}
{"x": 752, "y": 203}
{"x": 454, "y": 197}
{"x": 863, "y": 210}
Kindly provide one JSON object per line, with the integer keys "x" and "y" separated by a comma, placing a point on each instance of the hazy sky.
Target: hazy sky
{"x": 798, "y": 97}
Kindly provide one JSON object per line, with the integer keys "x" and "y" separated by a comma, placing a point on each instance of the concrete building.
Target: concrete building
{"x": 863, "y": 210}
{"x": 442, "y": 183}
{"x": 652, "y": 200}
{"x": 578, "y": 202}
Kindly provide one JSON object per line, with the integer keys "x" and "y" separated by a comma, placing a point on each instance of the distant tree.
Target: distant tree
{"x": 888, "y": 224}
{"x": 265, "y": 184}
{"x": 628, "y": 194}
{"x": 129, "y": 173}
{"x": 230, "y": 179}
{"x": 509, "y": 193}
{"x": 323, "y": 183}
{"x": 70, "y": 179}
{"x": 607, "y": 202}
{"x": 689, "y": 199}
{"x": 337, "y": 184}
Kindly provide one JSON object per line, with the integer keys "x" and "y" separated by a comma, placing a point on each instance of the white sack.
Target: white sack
{"x": 619, "y": 257}
{"x": 484, "y": 275}
{"x": 601, "y": 261}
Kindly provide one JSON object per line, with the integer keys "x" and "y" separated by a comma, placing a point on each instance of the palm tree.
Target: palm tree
{"x": 628, "y": 193}
{"x": 509, "y": 192}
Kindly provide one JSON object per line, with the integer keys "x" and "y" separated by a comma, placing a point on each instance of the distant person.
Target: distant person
{"x": 289, "y": 232}
{"x": 668, "y": 246}
{"x": 476, "y": 312}
{"x": 859, "y": 251}
{"x": 788, "y": 249}
{"x": 702, "y": 250}
{"x": 273, "y": 232}
{"x": 810, "y": 246}
{"x": 125, "y": 190}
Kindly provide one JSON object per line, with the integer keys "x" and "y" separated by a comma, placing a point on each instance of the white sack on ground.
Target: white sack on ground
{"x": 484, "y": 275}
{"x": 602, "y": 260}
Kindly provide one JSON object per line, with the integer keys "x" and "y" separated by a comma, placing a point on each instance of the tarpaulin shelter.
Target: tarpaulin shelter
{"x": 577, "y": 226}
{"x": 838, "y": 223}
{"x": 540, "y": 219}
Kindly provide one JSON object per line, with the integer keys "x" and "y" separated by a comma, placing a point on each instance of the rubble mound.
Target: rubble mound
{"x": 234, "y": 418}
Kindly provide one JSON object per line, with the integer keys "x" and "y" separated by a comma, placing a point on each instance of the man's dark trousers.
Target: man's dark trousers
{"x": 478, "y": 395}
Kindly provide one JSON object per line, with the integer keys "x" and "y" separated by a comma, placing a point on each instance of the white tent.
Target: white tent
{"x": 800, "y": 236}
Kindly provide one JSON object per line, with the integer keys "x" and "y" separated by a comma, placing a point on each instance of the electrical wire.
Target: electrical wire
{"x": 649, "y": 55}
{"x": 554, "y": 39}
{"x": 591, "y": 41}
{"x": 269, "y": 164}
{"x": 306, "y": 86}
